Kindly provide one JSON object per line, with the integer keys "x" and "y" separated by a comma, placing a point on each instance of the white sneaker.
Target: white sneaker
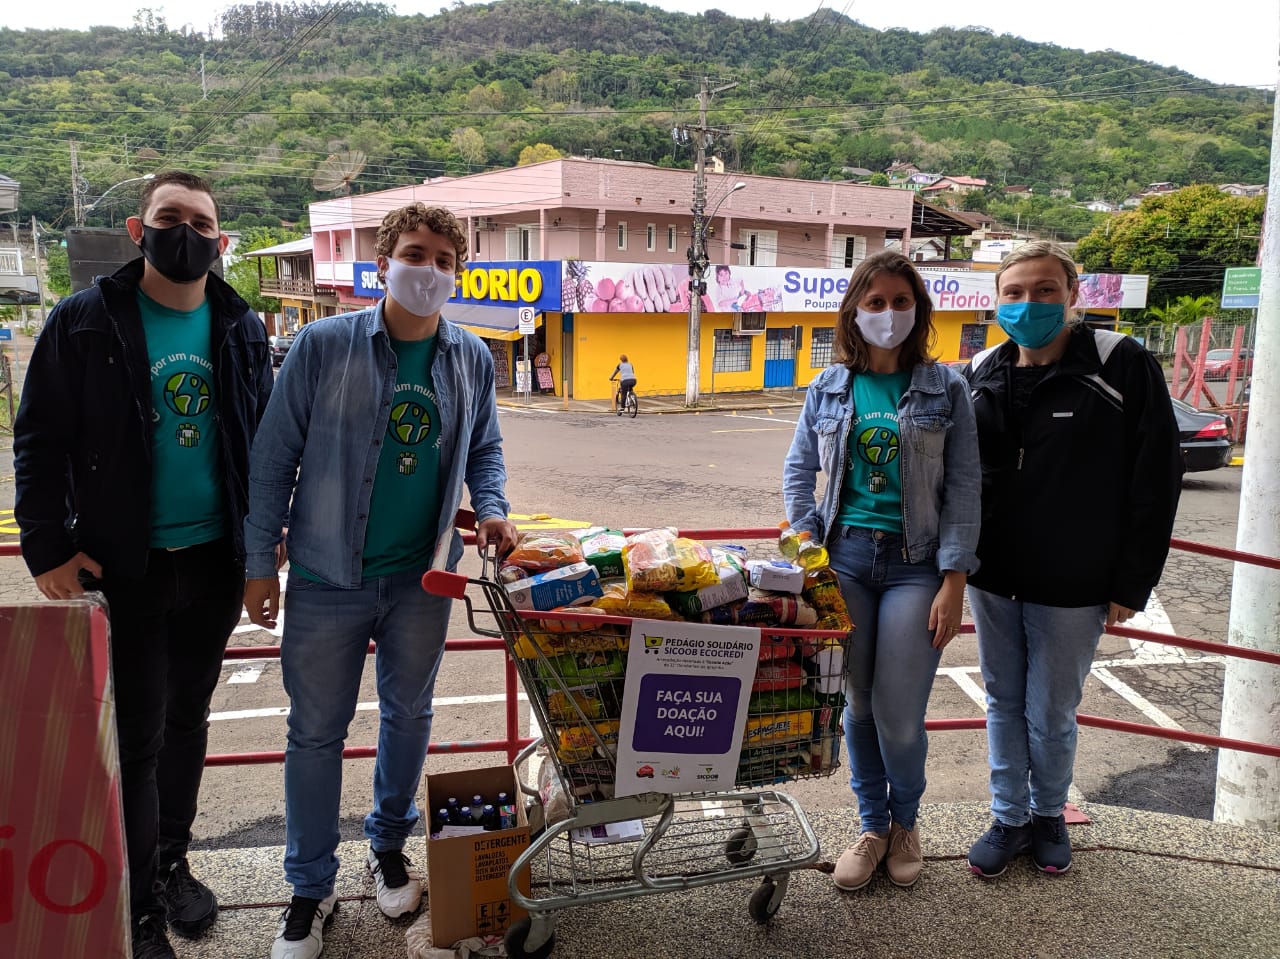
{"x": 300, "y": 934}
{"x": 399, "y": 885}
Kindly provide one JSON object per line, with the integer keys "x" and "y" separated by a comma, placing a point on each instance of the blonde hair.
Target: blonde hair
{"x": 1044, "y": 249}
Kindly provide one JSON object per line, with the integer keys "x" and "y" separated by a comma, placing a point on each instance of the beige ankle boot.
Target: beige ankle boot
{"x": 858, "y": 863}
{"x": 904, "y": 861}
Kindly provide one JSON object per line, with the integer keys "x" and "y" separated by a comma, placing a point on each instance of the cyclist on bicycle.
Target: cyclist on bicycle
{"x": 627, "y": 372}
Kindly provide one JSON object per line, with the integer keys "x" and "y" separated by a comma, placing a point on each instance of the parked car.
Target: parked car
{"x": 1204, "y": 437}
{"x": 279, "y": 347}
{"x": 1217, "y": 364}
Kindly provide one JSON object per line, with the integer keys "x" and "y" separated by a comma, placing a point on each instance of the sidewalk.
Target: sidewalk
{"x": 783, "y": 399}
{"x": 1143, "y": 886}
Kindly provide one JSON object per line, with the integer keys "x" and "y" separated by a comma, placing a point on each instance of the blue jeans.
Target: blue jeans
{"x": 1035, "y": 660}
{"x": 326, "y": 636}
{"x": 892, "y": 663}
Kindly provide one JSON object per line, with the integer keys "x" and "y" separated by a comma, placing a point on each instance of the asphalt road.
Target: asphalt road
{"x": 720, "y": 470}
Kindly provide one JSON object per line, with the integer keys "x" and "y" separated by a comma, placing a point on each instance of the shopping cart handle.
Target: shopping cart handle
{"x": 441, "y": 582}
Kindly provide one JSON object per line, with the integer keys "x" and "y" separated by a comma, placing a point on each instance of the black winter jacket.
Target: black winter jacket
{"x": 1077, "y": 506}
{"x": 82, "y": 436}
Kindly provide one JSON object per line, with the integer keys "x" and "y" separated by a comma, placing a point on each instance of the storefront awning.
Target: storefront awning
{"x": 490, "y": 322}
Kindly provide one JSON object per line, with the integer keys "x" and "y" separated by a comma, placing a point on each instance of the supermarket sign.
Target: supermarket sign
{"x": 533, "y": 283}
{"x": 1241, "y": 287}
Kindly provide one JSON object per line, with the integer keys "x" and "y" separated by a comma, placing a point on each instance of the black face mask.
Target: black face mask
{"x": 179, "y": 252}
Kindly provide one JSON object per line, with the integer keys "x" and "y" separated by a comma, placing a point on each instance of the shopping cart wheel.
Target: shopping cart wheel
{"x": 765, "y": 901}
{"x": 515, "y": 939}
{"x": 740, "y": 846}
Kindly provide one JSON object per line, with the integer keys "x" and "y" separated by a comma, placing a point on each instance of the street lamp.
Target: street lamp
{"x": 84, "y": 213}
{"x": 698, "y": 263}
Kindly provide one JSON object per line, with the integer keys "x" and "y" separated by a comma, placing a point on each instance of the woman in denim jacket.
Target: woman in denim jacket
{"x": 893, "y": 430}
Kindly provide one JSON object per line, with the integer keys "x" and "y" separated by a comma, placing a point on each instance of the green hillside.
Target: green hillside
{"x": 287, "y": 85}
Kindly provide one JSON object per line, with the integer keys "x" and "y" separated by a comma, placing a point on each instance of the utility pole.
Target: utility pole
{"x": 35, "y": 249}
{"x": 1246, "y": 792}
{"x": 697, "y": 253}
{"x": 77, "y": 200}
{"x": 204, "y": 86}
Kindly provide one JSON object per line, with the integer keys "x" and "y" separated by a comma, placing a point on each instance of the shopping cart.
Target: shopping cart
{"x": 572, "y": 666}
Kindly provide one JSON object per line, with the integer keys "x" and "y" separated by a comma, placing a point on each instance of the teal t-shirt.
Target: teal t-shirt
{"x": 404, "y": 512}
{"x": 872, "y": 492}
{"x": 188, "y": 502}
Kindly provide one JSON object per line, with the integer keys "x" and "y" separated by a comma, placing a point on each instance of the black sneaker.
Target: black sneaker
{"x": 990, "y": 855}
{"x": 190, "y": 905}
{"x": 149, "y": 940}
{"x": 1050, "y": 845}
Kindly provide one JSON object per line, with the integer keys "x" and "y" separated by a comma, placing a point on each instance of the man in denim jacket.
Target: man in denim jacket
{"x": 377, "y": 420}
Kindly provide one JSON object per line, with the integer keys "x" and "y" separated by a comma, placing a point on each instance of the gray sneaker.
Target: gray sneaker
{"x": 991, "y": 854}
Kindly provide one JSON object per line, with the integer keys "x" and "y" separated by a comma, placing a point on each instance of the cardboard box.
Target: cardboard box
{"x": 467, "y": 875}
{"x": 776, "y": 575}
{"x": 63, "y": 884}
{"x": 571, "y": 585}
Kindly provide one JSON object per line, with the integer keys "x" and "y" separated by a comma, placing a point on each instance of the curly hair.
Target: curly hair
{"x": 851, "y": 347}
{"x": 415, "y": 216}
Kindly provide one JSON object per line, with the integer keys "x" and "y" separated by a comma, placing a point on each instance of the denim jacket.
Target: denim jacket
{"x": 941, "y": 478}
{"x": 316, "y": 453}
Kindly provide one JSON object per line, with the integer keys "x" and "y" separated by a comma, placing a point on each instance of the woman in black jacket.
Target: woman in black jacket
{"x": 1081, "y": 473}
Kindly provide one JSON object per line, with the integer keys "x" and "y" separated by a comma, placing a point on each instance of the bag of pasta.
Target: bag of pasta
{"x": 658, "y": 561}
{"x": 541, "y": 552}
{"x": 618, "y": 600}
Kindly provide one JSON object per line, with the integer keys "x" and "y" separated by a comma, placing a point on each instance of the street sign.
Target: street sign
{"x": 6, "y": 333}
{"x": 528, "y": 318}
{"x": 1241, "y": 286}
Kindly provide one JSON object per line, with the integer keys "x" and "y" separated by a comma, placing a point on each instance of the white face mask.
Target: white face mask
{"x": 422, "y": 290}
{"x": 888, "y": 329}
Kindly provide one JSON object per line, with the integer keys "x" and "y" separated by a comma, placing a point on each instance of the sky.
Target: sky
{"x": 1226, "y": 41}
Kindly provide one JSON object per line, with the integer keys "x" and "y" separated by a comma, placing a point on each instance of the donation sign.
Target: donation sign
{"x": 684, "y": 706}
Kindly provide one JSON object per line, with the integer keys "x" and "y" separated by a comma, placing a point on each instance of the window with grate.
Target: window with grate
{"x": 820, "y": 347}
{"x": 732, "y": 353}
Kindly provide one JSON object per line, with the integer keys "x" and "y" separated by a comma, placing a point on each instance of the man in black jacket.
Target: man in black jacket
{"x": 1081, "y": 473}
{"x": 131, "y": 452}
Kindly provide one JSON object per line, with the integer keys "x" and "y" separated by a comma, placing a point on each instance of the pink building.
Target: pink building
{"x": 610, "y": 210}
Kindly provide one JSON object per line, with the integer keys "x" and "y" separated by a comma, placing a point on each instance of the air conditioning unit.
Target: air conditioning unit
{"x": 484, "y": 223}
{"x": 748, "y": 324}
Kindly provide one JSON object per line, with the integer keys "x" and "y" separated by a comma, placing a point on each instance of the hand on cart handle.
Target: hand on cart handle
{"x": 498, "y": 532}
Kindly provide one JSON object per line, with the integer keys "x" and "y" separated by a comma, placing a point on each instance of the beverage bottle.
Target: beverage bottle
{"x": 822, "y": 592}
{"x": 439, "y": 820}
{"x": 788, "y": 541}
{"x": 812, "y": 556}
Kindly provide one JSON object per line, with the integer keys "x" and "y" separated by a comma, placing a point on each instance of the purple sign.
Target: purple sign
{"x": 686, "y": 713}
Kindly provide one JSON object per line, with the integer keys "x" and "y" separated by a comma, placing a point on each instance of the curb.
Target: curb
{"x": 672, "y": 410}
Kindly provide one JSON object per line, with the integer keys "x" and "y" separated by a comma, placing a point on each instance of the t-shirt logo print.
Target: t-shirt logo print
{"x": 409, "y": 425}
{"x": 187, "y": 394}
{"x": 877, "y": 446}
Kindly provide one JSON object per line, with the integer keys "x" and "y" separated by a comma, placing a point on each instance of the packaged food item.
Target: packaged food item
{"x": 775, "y": 575}
{"x": 663, "y": 564}
{"x": 576, "y": 743}
{"x": 538, "y": 552}
{"x": 602, "y": 548}
{"x": 822, "y": 592}
{"x": 555, "y": 801}
{"x": 584, "y": 666}
{"x": 781, "y": 700}
{"x": 763, "y": 608}
{"x": 825, "y": 668}
{"x": 573, "y": 585}
{"x": 602, "y": 638}
{"x": 778, "y": 674}
{"x": 776, "y": 728}
{"x": 732, "y": 585}
{"x": 509, "y": 574}
{"x": 580, "y": 702}
{"x": 618, "y": 600}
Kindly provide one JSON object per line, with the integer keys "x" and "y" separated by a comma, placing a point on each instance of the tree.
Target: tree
{"x": 1182, "y": 240}
{"x": 1184, "y": 310}
{"x": 243, "y": 273}
{"x": 879, "y": 179}
{"x": 469, "y": 144}
{"x": 537, "y": 153}
{"x": 57, "y": 271}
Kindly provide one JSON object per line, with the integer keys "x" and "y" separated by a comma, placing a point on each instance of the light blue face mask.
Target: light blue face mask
{"x": 1032, "y": 325}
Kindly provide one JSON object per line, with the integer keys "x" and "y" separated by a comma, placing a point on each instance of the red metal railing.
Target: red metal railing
{"x": 514, "y": 742}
